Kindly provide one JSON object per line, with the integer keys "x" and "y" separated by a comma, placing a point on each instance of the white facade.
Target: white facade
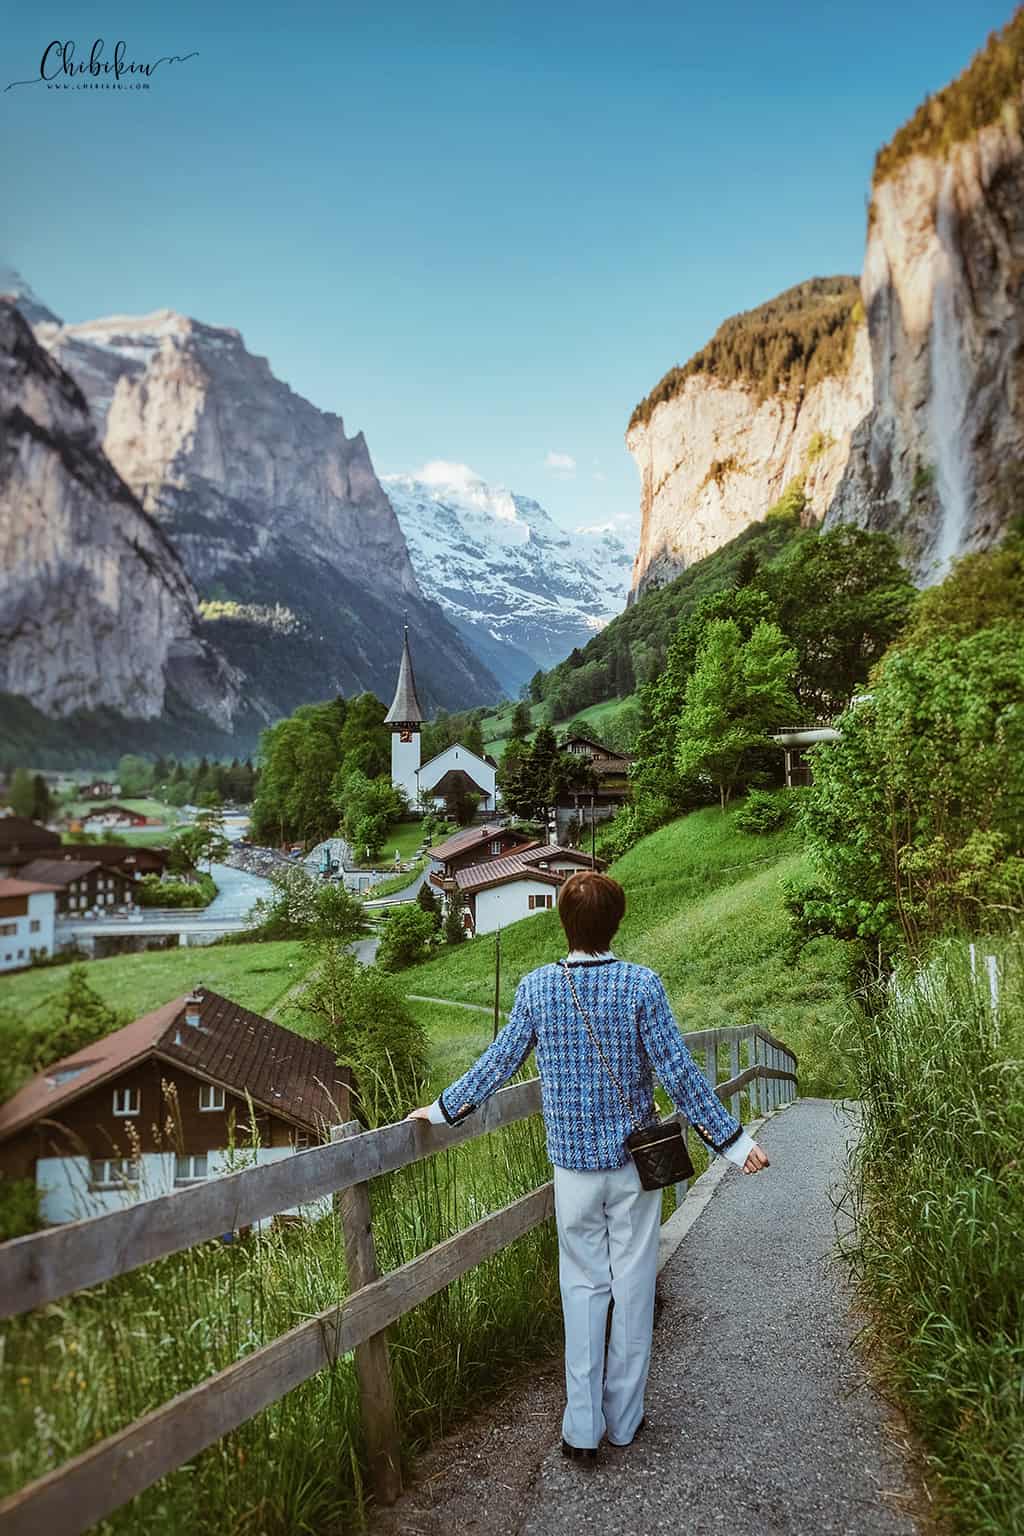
{"x": 453, "y": 759}
{"x": 20, "y": 934}
{"x": 405, "y": 761}
{"x": 500, "y": 905}
{"x": 67, "y": 1192}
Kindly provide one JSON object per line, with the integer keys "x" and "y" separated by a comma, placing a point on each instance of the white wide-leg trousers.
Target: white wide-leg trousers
{"x": 607, "y": 1250}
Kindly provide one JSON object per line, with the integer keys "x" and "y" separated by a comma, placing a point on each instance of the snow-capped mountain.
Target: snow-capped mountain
{"x": 522, "y": 590}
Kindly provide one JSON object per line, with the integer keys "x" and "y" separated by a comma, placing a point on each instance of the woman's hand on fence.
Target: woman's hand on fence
{"x": 419, "y": 1114}
{"x": 756, "y": 1160}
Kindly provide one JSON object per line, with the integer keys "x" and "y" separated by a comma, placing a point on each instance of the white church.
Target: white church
{"x": 453, "y": 769}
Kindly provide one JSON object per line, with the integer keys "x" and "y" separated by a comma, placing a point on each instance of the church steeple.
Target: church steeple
{"x": 405, "y": 706}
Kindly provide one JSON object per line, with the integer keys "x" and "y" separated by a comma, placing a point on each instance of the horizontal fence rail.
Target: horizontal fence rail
{"x": 52, "y": 1264}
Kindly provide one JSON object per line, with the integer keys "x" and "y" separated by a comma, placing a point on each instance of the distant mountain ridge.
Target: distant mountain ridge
{"x": 283, "y": 527}
{"x": 523, "y": 591}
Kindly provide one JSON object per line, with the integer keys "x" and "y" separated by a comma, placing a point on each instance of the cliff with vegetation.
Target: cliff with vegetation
{"x": 771, "y": 400}
{"x": 911, "y": 423}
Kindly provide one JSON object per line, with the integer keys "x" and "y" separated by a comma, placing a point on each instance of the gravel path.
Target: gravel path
{"x": 760, "y": 1418}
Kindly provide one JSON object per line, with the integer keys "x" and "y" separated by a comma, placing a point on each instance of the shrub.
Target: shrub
{"x": 406, "y": 937}
{"x": 763, "y": 812}
{"x": 151, "y": 891}
{"x": 19, "y": 1208}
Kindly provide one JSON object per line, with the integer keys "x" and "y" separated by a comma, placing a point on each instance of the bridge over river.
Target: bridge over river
{"x": 761, "y": 1416}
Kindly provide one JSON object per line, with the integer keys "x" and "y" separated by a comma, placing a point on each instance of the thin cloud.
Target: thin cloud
{"x": 563, "y": 464}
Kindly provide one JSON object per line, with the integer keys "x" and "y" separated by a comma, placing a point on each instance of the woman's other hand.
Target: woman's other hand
{"x": 756, "y": 1160}
{"x": 423, "y": 1113}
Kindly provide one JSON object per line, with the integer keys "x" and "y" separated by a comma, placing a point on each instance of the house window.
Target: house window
{"x": 34, "y": 925}
{"x": 127, "y": 1101}
{"x": 302, "y": 1141}
{"x": 496, "y": 845}
{"x": 113, "y": 1172}
{"x": 210, "y": 1096}
{"x": 7, "y": 929}
{"x": 539, "y": 903}
{"x": 190, "y": 1170}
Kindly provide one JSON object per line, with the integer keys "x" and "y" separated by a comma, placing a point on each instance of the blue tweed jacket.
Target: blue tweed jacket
{"x": 586, "y": 1122}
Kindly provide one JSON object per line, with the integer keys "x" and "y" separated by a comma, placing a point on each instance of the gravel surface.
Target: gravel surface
{"x": 760, "y": 1415}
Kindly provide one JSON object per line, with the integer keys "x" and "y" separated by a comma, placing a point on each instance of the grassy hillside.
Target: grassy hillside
{"x": 255, "y": 975}
{"x": 597, "y": 717}
{"x": 705, "y": 910}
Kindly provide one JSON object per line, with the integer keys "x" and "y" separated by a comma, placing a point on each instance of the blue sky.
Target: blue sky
{"x": 480, "y": 232}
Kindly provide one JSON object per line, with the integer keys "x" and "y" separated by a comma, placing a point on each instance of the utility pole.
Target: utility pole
{"x": 497, "y": 979}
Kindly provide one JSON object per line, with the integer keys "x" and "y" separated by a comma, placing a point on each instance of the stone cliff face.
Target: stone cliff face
{"x": 939, "y": 460}
{"x": 279, "y": 517}
{"x": 95, "y": 607}
{"x": 921, "y": 432}
{"x": 714, "y": 458}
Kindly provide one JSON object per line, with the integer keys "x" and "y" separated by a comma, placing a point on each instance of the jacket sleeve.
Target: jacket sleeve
{"x": 501, "y": 1060}
{"x": 681, "y": 1077}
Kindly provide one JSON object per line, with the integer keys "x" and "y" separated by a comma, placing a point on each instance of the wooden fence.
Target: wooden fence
{"x": 48, "y": 1265}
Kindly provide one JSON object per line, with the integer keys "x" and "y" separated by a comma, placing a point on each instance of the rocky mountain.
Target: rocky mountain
{"x": 772, "y": 399}
{"x": 96, "y": 609}
{"x": 907, "y": 414}
{"x": 279, "y": 518}
{"x": 523, "y": 591}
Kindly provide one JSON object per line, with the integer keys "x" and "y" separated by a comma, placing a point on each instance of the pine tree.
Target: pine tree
{"x": 454, "y": 930}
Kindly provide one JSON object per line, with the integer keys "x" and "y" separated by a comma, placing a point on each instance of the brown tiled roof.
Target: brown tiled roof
{"x": 19, "y": 832}
{"x": 461, "y": 841}
{"x": 242, "y": 1051}
{"x": 60, "y": 871}
{"x": 522, "y": 864}
{"x": 18, "y": 887}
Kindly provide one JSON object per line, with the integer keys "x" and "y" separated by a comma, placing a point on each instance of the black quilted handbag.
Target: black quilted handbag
{"x": 659, "y": 1151}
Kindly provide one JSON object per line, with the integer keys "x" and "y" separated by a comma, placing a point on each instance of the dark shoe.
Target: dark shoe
{"x": 626, "y": 1443}
{"x": 579, "y": 1452}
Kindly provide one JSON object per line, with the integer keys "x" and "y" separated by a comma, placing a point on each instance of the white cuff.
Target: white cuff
{"x": 437, "y": 1113}
{"x": 739, "y": 1150}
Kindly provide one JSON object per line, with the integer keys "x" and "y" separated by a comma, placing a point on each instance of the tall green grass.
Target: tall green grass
{"x": 77, "y": 1371}
{"x": 939, "y": 1189}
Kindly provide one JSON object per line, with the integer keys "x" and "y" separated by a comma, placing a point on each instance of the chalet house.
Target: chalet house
{"x": 166, "y": 1102}
{"x": 134, "y": 861}
{"x": 26, "y": 922}
{"x": 610, "y": 779}
{"x": 795, "y": 742}
{"x": 113, "y": 816}
{"x": 474, "y": 845}
{"x": 99, "y": 789}
{"x": 21, "y": 841}
{"x": 501, "y": 891}
{"x": 84, "y": 883}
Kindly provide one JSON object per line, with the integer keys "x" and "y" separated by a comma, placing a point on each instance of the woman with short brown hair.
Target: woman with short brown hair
{"x": 607, "y": 1222}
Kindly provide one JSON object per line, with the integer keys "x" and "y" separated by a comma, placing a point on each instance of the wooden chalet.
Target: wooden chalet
{"x": 21, "y": 841}
{"x": 84, "y": 883}
{"x": 177, "y": 1096}
{"x": 500, "y": 891}
{"x": 472, "y": 846}
{"x": 113, "y": 816}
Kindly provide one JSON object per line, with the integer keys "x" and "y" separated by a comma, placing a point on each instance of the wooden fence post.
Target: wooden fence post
{"x": 734, "y": 1071}
{"x": 373, "y": 1369}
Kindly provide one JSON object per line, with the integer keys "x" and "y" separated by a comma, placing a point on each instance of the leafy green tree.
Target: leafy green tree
{"x": 737, "y": 693}
{"x": 135, "y": 776}
{"x": 453, "y": 927}
{"x": 429, "y": 903}
{"x": 22, "y": 795}
{"x": 301, "y": 757}
{"x": 914, "y": 816}
{"x": 362, "y": 1016}
{"x": 407, "y": 932}
{"x": 204, "y": 841}
{"x": 75, "y": 1017}
{"x": 42, "y": 800}
{"x": 842, "y": 598}
{"x": 522, "y": 721}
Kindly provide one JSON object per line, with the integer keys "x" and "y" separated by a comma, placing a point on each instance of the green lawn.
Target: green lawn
{"x": 406, "y": 836}
{"x": 145, "y": 807}
{"x": 597, "y": 717}
{"x": 255, "y": 975}
{"x": 705, "y": 910}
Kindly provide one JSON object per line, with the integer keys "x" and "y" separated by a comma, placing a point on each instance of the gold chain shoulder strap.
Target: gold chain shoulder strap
{"x": 597, "y": 1046}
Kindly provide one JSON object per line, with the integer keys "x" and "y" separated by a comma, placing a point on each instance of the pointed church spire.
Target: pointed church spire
{"x": 405, "y": 706}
